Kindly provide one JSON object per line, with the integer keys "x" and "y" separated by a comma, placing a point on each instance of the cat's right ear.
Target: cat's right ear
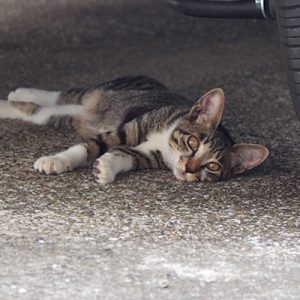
{"x": 209, "y": 108}
{"x": 247, "y": 156}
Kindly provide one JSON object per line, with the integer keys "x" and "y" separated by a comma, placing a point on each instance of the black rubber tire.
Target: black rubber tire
{"x": 288, "y": 19}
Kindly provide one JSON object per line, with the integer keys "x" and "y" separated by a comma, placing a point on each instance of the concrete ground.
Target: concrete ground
{"x": 147, "y": 235}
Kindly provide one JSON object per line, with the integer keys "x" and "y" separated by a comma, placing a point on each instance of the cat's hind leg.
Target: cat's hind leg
{"x": 58, "y": 116}
{"x": 9, "y": 110}
{"x": 39, "y": 97}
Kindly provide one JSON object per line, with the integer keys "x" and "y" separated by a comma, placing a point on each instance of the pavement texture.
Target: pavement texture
{"x": 147, "y": 235}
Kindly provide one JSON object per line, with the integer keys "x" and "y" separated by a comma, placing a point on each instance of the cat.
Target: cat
{"x": 133, "y": 123}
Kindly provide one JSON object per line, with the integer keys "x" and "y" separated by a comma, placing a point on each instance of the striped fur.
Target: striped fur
{"x": 133, "y": 123}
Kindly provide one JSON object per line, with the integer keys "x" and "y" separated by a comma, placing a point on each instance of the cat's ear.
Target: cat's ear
{"x": 247, "y": 156}
{"x": 209, "y": 109}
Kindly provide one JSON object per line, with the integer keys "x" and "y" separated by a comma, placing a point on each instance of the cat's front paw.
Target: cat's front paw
{"x": 51, "y": 165}
{"x": 102, "y": 169}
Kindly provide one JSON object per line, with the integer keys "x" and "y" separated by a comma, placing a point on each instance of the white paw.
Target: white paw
{"x": 103, "y": 169}
{"x": 40, "y": 97}
{"x": 52, "y": 165}
{"x": 20, "y": 94}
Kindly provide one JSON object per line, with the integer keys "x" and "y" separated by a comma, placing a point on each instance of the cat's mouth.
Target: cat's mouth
{"x": 182, "y": 175}
{"x": 179, "y": 174}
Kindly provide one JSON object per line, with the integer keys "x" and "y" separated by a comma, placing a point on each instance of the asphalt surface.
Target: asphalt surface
{"x": 147, "y": 235}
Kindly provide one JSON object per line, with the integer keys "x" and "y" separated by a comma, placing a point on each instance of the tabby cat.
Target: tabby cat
{"x": 134, "y": 123}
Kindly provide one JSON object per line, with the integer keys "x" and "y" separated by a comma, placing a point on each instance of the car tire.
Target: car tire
{"x": 288, "y": 20}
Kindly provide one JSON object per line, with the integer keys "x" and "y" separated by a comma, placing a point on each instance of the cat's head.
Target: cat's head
{"x": 204, "y": 149}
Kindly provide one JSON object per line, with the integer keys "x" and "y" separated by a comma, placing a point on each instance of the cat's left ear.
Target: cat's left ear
{"x": 209, "y": 109}
{"x": 247, "y": 156}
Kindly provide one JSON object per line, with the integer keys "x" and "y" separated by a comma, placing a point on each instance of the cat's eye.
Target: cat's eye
{"x": 213, "y": 166}
{"x": 193, "y": 143}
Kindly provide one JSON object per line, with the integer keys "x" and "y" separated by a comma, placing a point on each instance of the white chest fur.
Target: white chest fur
{"x": 160, "y": 141}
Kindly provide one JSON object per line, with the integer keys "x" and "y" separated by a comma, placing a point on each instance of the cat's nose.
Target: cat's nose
{"x": 187, "y": 169}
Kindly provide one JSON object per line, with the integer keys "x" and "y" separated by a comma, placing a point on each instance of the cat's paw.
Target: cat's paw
{"x": 103, "y": 170}
{"x": 20, "y": 94}
{"x": 52, "y": 165}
